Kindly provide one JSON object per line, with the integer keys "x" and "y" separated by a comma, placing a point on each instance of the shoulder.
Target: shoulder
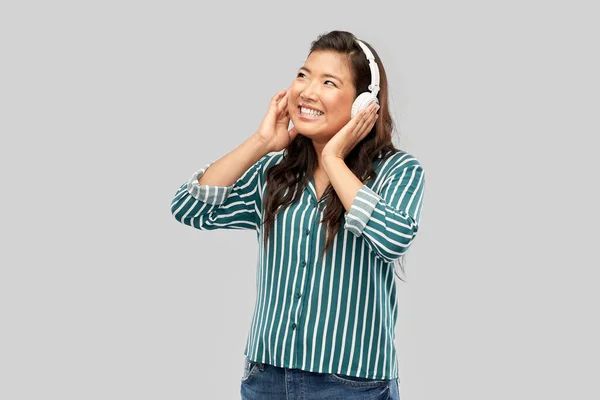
{"x": 396, "y": 162}
{"x": 266, "y": 162}
{"x": 399, "y": 170}
{"x": 270, "y": 160}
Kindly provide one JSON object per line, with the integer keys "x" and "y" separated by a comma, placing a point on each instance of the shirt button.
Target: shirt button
{"x": 294, "y": 326}
{"x": 307, "y": 232}
{"x": 303, "y": 264}
{"x": 298, "y": 295}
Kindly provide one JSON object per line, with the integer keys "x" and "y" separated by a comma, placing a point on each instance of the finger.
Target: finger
{"x": 369, "y": 124}
{"x": 285, "y": 95}
{"x": 358, "y": 116}
{"x": 373, "y": 112}
{"x": 275, "y": 99}
{"x": 282, "y": 105}
{"x": 281, "y": 109}
{"x": 373, "y": 108}
{"x": 292, "y": 133}
{"x": 371, "y": 118}
{"x": 365, "y": 123}
{"x": 360, "y": 119}
{"x": 359, "y": 122}
{"x": 364, "y": 114}
{"x": 370, "y": 114}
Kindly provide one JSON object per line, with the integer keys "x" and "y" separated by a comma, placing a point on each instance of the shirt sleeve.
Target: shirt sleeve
{"x": 388, "y": 219}
{"x": 207, "y": 207}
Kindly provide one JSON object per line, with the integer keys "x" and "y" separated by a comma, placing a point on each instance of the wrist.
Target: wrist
{"x": 331, "y": 160}
{"x": 258, "y": 143}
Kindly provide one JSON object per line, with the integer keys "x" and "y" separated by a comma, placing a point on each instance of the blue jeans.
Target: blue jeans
{"x": 268, "y": 382}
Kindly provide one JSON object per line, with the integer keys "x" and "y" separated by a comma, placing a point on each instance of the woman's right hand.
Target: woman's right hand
{"x": 273, "y": 130}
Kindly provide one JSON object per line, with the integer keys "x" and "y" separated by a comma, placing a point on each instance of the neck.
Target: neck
{"x": 319, "y": 146}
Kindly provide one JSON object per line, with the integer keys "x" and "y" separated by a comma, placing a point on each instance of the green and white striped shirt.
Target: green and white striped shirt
{"x": 332, "y": 314}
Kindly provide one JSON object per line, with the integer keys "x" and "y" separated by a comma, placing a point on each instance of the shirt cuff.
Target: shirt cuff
{"x": 208, "y": 194}
{"x": 361, "y": 209}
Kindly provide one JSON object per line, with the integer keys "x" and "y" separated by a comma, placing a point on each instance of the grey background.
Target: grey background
{"x": 107, "y": 107}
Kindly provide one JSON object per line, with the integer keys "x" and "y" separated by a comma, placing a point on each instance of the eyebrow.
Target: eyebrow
{"x": 324, "y": 75}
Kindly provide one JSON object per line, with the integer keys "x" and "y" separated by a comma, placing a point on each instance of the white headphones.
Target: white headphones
{"x": 366, "y": 98}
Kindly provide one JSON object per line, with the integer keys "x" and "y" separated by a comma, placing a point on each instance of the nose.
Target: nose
{"x": 309, "y": 93}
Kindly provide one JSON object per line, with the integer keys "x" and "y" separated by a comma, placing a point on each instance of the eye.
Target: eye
{"x": 331, "y": 83}
{"x": 300, "y": 74}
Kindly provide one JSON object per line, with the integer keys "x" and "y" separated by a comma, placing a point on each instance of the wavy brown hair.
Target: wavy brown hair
{"x": 286, "y": 181}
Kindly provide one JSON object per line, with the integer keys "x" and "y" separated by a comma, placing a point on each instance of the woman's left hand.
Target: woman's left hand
{"x": 351, "y": 134}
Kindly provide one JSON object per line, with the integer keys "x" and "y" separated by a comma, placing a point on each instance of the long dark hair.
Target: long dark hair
{"x": 286, "y": 181}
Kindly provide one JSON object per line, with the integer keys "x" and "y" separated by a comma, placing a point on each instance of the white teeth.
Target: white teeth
{"x": 311, "y": 112}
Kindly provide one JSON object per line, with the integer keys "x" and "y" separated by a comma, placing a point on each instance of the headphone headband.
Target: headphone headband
{"x": 374, "y": 86}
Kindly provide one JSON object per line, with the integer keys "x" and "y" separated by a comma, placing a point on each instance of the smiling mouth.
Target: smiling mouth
{"x": 309, "y": 113}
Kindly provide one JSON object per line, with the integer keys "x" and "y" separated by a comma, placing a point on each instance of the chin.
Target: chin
{"x": 307, "y": 128}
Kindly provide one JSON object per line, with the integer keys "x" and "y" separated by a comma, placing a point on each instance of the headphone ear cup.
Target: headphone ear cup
{"x": 362, "y": 102}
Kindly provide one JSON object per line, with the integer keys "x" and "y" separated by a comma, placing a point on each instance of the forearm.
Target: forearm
{"x": 343, "y": 180}
{"x": 387, "y": 219}
{"x": 229, "y": 168}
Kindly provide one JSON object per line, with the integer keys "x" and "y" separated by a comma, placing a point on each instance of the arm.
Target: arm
{"x": 343, "y": 180}
{"x": 228, "y": 193}
{"x": 387, "y": 219}
{"x": 229, "y": 168}
{"x": 225, "y": 194}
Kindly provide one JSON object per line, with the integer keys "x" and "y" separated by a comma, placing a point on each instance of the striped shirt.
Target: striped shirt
{"x": 330, "y": 314}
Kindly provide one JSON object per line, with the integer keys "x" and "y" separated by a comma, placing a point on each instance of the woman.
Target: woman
{"x": 333, "y": 212}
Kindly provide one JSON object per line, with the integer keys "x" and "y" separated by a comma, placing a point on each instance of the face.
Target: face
{"x": 320, "y": 98}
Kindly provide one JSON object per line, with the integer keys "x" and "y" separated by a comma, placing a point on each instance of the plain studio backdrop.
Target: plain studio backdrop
{"x": 108, "y": 107}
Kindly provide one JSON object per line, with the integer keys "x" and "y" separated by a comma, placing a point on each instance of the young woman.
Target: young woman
{"x": 334, "y": 205}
